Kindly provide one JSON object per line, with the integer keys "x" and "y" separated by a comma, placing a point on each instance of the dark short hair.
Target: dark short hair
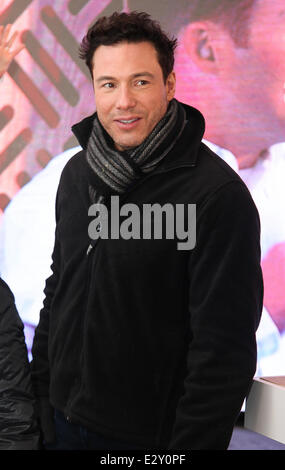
{"x": 233, "y": 15}
{"x": 129, "y": 27}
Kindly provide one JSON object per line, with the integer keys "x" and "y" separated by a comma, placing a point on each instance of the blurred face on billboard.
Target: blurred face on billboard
{"x": 258, "y": 70}
{"x": 239, "y": 88}
{"x": 267, "y": 48}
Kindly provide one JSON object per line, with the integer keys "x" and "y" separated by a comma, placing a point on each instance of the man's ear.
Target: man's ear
{"x": 199, "y": 46}
{"x": 171, "y": 85}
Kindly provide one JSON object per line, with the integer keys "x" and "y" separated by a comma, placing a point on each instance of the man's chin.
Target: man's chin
{"x": 127, "y": 146}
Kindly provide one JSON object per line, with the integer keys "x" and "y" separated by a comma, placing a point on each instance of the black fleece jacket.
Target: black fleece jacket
{"x": 138, "y": 340}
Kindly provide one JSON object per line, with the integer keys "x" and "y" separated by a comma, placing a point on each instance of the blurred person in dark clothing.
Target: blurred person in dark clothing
{"x": 18, "y": 427}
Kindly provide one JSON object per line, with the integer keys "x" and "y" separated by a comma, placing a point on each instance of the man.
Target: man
{"x": 229, "y": 64}
{"x": 140, "y": 344}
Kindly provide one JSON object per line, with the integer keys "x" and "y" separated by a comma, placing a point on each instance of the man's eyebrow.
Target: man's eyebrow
{"x": 143, "y": 74}
{"x": 104, "y": 78}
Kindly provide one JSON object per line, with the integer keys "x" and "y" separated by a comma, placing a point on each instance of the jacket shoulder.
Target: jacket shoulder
{"x": 74, "y": 171}
{"x": 214, "y": 180}
{"x": 216, "y": 164}
{"x": 75, "y": 163}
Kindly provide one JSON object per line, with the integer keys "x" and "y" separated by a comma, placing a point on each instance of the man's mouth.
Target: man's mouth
{"x": 127, "y": 124}
{"x": 128, "y": 121}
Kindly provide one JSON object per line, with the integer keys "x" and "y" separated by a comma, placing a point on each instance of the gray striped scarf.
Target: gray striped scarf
{"x": 117, "y": 170}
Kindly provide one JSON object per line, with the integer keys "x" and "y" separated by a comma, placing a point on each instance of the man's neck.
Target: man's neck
{"x": 250, "y": 160}
{"x": 246, "y": 153}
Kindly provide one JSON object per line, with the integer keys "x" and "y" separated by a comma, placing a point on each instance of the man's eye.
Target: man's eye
{"x": 141, "y": 82}
{"x": 108, "y": 85}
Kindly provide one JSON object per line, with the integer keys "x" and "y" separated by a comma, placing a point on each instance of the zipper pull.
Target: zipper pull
{"x": 89, "y": 249}
{"x": 98, "y": 229}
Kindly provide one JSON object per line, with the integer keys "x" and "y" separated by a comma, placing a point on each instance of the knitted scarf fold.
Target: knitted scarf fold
{"x": 113, "y": 171}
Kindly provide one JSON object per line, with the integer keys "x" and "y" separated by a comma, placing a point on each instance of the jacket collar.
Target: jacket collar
{"x": 185, "y": 152}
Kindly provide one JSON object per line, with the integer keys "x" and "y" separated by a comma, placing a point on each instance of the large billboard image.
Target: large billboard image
{"x": 229, "y": 64}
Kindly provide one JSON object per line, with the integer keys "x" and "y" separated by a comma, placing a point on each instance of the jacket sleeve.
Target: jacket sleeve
{"x": 40, "y": 362}
{"x": 225, "y": 304}
{"x": 18, "y": 428}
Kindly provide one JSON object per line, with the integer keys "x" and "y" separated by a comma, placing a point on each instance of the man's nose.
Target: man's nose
{"x": 126, "y": 99}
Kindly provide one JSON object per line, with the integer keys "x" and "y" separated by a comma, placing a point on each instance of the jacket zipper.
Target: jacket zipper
{"x": 89, "y": 254}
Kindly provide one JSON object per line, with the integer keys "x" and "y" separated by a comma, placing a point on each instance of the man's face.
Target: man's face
{"x": 130, "y": 93}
